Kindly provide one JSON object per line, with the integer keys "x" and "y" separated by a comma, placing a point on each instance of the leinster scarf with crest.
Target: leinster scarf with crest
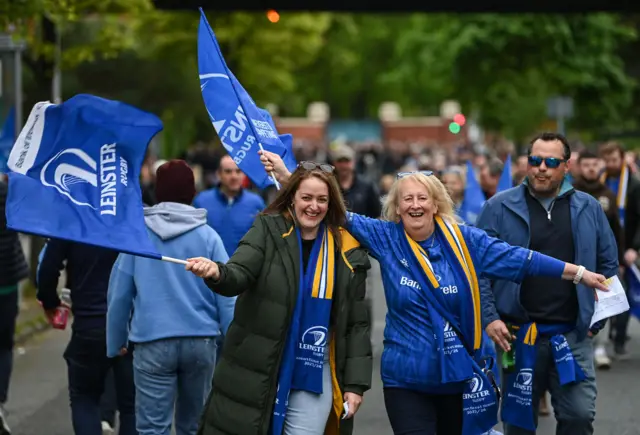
{"x": 458, "y": 337}
{"x": 303, "y": 359}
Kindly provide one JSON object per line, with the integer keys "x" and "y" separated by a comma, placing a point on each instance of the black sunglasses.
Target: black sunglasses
{"x": 405, "y": 174}
{"x": 310, "y": 166}
{"x": 551, "y": 162}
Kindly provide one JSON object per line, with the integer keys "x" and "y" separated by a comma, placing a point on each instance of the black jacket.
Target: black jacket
{"x": 632, "y": 215}
{"x": 13, "y": 265}
{"x": 88, "y": 271}
{"x": 363, "y": 198}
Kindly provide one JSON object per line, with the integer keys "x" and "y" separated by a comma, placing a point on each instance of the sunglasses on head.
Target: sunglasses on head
{"x": 550, "y": 162}
{"x": 310, "y": 166}
{"x": 405, "y": 174}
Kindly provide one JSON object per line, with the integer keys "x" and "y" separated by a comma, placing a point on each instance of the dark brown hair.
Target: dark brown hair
{"x": 610, "y": 148}
{"x": 336, "y": 212}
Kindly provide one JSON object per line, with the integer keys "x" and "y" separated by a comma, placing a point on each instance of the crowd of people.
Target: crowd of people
{"x": 268, "y": 331}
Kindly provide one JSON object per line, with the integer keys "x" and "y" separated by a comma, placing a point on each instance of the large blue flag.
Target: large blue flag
{"x": 7, "y": 138}
{"x": 75, "y": 174}
{"x": 240, "y": 124}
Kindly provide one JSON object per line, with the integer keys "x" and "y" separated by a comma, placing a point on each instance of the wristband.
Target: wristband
{"x": 579, "y": 273}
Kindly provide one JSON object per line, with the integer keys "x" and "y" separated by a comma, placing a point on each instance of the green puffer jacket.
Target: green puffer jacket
{"x": 264, "y": 272}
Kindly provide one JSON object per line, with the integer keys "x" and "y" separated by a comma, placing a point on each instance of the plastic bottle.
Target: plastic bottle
{"x": 508, "y": 360}
{"x": 61, "y": 317}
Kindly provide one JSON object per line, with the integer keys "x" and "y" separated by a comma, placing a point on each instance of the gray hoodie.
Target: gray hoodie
{"x": 171, "y": 219}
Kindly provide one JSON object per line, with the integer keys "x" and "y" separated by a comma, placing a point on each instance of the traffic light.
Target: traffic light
{"x": 273, "y": 16}
{"x": 458, "y": 121}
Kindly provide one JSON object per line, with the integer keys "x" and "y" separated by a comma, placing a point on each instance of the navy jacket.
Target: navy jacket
{"x": 506, "y": 217}
{"x": 88, "y": 270}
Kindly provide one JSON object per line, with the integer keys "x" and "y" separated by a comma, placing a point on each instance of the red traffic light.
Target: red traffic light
{"x": 459, "y": 119}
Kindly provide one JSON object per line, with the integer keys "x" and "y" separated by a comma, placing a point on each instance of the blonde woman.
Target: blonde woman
{"x": 432, "y": 383}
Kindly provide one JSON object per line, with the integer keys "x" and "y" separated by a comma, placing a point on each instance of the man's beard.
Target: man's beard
{"x": 590, "y": 182}
{"x": 545, "y": 192}
{"x": 613, "y": 173}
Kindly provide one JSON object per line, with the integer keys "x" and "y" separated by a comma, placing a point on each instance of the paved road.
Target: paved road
{"x": 39, "y": 401}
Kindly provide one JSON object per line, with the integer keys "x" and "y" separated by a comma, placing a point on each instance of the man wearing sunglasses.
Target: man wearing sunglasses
{"x": 546, "y": 214}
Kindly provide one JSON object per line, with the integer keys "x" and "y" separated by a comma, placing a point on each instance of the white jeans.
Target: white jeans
{"x": 307, "y": 413}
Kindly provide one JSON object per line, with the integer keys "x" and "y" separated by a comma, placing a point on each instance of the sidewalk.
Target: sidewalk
{"x": 31, "y": 320}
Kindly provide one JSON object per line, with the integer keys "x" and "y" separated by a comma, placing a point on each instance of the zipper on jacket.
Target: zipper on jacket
{"x": 553, "y": 202}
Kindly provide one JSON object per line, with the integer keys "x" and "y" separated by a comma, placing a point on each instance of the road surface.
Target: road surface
{"x": 39, "y": 400}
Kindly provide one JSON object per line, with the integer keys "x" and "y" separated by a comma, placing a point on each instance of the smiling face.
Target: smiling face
{"x": 415, "y": 206}
{"x": 311, "y": 202}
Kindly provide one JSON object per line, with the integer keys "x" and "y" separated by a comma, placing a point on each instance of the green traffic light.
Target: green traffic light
{"x": 454, "y": 128}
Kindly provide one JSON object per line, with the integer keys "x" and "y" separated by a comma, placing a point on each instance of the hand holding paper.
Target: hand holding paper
{"x": 610, "y": 303}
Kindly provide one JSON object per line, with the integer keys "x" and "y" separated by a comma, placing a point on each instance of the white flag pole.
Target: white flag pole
{"x": 173, "y": 260}
{"x": 273, "y": 175}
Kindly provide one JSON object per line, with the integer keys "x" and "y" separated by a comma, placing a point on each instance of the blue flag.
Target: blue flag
{"x": 287, "y": 141}
{"x": 633, "y": 281}
{"x": 240, "y": 124}
{"x": 506, "y": 178}
{"x": 75, "y": 174}
{"x": 473, "y": 198}
{"x": 7, "y": 137}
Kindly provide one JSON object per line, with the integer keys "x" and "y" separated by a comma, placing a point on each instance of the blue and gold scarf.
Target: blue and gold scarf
{"x": 517, "y": 408}
{"x": 621, "y": 191}
{"x": 457, "y": 337}
{"x": 304, "y": 352}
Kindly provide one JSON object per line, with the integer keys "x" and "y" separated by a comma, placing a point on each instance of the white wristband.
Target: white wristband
{"x": 579, "y": 273}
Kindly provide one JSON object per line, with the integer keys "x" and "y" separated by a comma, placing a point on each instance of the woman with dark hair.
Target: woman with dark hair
{"x": 297, "y": 357}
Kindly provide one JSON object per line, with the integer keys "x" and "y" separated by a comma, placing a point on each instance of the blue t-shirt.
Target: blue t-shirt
{"x": 408, "y": 358}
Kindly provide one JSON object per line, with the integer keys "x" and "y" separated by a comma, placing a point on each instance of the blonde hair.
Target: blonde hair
{"x": 435, "y": 189}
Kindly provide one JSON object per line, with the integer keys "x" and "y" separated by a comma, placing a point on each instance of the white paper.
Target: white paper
{"x": 610, "y": 303}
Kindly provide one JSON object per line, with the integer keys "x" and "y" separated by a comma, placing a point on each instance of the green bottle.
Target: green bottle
{"x": 508, "y": 360}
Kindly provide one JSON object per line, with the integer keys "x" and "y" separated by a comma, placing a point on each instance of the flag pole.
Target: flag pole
{"x": 173, "y": 260}
{"x": 273, "y": 175}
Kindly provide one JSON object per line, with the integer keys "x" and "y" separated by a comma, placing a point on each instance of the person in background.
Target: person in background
{"x": 547, "y": 215}
{"x": 230, "y": 208}
{"x": 148, "y": 181}
{"x": 300, "y": 345}
{"x": 490, "y": 176}
{"x": 109, "y": 404}
{"x": 88, "y": 269}
{"x": 14, "y": 269}
{"x": 588, "y": 180}
{"x": 626, "y": 187}
{"x": 574, "y": 166}
{"x": 385, "y": 184}
{"x": 520, "y": 170}
{"x": 360, "y": 195}
{"x": 174, "y": 318}
{"x": 453, "y": 179}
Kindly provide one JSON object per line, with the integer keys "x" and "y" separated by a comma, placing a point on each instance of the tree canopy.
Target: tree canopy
{"x": 501, "y": 68}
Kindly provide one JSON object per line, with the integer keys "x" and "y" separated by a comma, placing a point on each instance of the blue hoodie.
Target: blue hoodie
{"x": 162, "y": 299}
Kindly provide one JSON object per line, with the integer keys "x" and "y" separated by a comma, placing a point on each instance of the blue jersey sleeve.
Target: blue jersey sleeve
{"x": 496, "y": 259}
{"x": 373, "y": 234}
